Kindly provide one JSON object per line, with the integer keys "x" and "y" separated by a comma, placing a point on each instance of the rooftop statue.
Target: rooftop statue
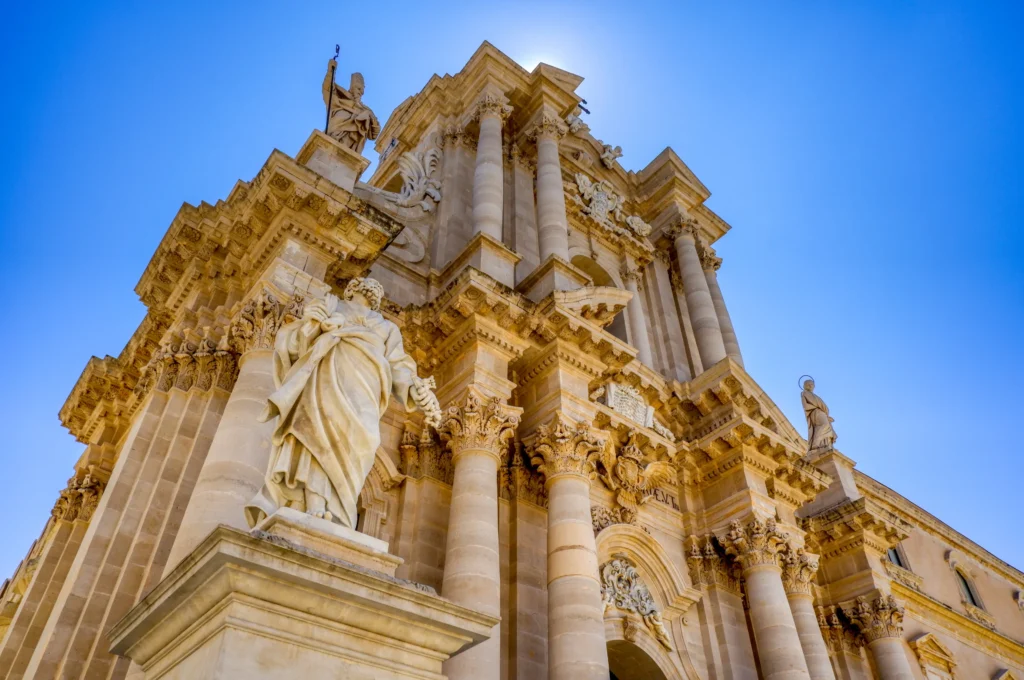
{"x": 820, "y": 435}
{"x": 335, "y": 369}
{"x": 349, "y": 120}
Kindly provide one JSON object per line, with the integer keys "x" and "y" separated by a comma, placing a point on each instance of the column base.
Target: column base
{"x": 553, "y": 274}
{"x": 293, "y": 599}
{"x": 488, "y": 255}
{"x": 328, "y": 158}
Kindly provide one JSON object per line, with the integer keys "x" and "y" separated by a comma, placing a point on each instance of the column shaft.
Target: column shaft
{"x": 729, "y": 339}
{"x": 472, "y": 571}
{"x": 703, "y": 316}
{"x": 577, "y": 649}
{"x": 552, "y": 223}
{"x": 237, "y": 461}
{"x": 815, "y": 651}
{"x": 488, "y": 179}
{"x": 778, "y": 643}
{"x": 637, "y": 322}
{"x": 890, "y": 659}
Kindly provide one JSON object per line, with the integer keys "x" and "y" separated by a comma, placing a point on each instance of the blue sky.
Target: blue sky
{"x": 867, "y": 154}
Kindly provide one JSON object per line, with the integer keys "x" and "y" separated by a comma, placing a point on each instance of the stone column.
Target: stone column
{"x": 564, "y": 453}
{"x": 756, "y": 547}
{"x": 637, "y": 323}
{"x": 488, "y": 179}
{"x": 798, "y": 570}
{"x": 552, "y": 223}
{"x": 240, "y": 451}
{"x": 701, "y": 307}
{"x": 881, "y": 623}
{"x": 477, "y": 433}
{"x": 711, "y": 264}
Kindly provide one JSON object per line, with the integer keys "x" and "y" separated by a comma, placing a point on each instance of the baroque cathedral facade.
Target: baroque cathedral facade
{"x": 609, "y": 492}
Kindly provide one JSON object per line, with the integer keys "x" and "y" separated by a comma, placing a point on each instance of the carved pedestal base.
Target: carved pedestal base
{"x": 553, "y": 273}
{"x": 328, "y": 158}
{"x": 271, "y": 605}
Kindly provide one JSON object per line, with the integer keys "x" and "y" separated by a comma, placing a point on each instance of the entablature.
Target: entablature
{"x": 853, "y": 525}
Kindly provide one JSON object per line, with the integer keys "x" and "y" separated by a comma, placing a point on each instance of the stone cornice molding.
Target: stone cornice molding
{"x": 565, "y": 447}
{"x": 756, "y": 544}
{"x": 798, "y": 570}
{"x": 881, "y": 617}
{"x": 854, "y": 525}
{"x": 479, "y": 425}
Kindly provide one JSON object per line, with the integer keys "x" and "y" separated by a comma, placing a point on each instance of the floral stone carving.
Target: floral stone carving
{"x": 881, "y": 618}
{"x": 622, "y": 588}
{"x": 756, "y": 544}
{"x": 566, "y": 447}
{"x": 798, "y": 570}
{"x": 599, "y": 201}
{"x": 79, "y": 499}
{"x": 478, "y": 426}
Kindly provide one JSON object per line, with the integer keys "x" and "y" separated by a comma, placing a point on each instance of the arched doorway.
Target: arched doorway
{"x": 626, "y": 661}
{"x": 600, "y": 277}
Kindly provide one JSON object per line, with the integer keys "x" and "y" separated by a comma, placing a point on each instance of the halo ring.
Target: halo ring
{"x": 800, "y": 380}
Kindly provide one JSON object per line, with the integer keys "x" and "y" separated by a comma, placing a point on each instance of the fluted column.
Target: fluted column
{"x": 477, "y": 433}
{"x": 881, "y": 623}
{"x": 564, "y": 453}
{"x": 703, "y": 316}
{"x": 488, "y": 176}
{"x": 756, "y": 547}
{"x": 552, "y": 223}
{"x": 237, "y": 461}
{"x": 798, "y": 569}
{"x": 633, "y": 277}
{"x": 711, "y": 264}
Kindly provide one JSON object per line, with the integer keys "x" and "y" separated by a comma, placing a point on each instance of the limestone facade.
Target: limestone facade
{"x": 607, "y": 478}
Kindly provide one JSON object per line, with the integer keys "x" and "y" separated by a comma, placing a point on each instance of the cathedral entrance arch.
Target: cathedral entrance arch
{"x": 627, "y": 661}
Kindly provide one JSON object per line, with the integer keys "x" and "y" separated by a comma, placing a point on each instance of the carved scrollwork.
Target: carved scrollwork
{"x": 188, "y": 365}
{"x": 260, "y": 318}
{"x": 566, "y": 447}
{"x": 798, "y": 570}
{"x": 880, "y": 618}
{"x": 599, "y": 200}
{"x": 622, "y": 588}
{"x": 756, "y": 544}
{"x": 478, "y": 425}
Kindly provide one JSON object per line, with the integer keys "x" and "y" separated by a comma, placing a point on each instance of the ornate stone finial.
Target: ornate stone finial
{"x": 623, "y": 588}
{"x": 756, "y": 544}
{"x": 549, "y": 126}
{"x": 882, "y": 618}
{"x": 798, "y": 570}
{"x": 633, "y": 482}
{"x": 491, "y": 104}
{"x": 476, "y": 426}
{"x": 609, "y": 154}
{"x": 820, "y": 434}
{"x": 566, "y": 447}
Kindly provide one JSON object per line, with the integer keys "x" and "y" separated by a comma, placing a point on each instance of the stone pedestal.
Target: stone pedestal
{"x": 297, "y": 597}
{"x": 328, "y": 158}
{"x": 553, "y": 274}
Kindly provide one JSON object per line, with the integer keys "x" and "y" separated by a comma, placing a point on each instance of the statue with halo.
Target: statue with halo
{"x": 336, "y": 370}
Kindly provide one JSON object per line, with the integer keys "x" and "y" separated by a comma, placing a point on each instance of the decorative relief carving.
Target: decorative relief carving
{"x": 622, "y": 588}
{"x": 547, "y": 126}
{"x": 188, "y": 365}
{"x": 710, "y": 567}
{"x": 632, "y": 481}
{"x": 609, "y": 154}
{"x": 881, "y": 618}
{"x": 756, "y": 544}
{"x": 599, "y": 201}
{"x": 904, "y": 576}
{"x": 477, "y": 425}
{"x": 452, "y": 136}
{"x": 627, "y": 401}
{"x": 518, "y": 481}
{"x": 491, "y": 104}
{"x": 566, "y": 447}
{"x": 798, "y": 569}
{"x": 839, "y": 637}
{"x": 261, "y": 317}
{"x": 979, "y": 615}
{"x": 575, "y": 123}
{"x": 79, "y": 499}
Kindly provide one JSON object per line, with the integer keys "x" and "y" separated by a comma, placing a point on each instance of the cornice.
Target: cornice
{"x": 854, "y": 524}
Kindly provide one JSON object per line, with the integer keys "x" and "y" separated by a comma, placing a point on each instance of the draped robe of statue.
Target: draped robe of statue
{"x": 350, "y": 121}
{"x": 820, "y": 435}
{"x": 335, "y": 380}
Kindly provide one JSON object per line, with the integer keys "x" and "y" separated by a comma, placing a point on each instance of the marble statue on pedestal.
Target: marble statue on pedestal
{"x": 336, "y": 369}
{"x": 820, "y": 435}
{"x": 350, "y": 121}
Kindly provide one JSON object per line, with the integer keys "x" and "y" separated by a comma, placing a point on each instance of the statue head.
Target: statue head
{"x": 369, "y": 290}
{"x": 357, "y": 86}
{"x": 809, "y": 385}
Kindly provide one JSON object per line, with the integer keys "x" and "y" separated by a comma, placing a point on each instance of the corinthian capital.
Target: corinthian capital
{"x": 756, "y": 544}
{"x": 477, "y": 425}
{"x": 882, "y": 618}
{"x": 260, "y": 318}
{"x": 548, "y": 125}
{"x": 798, "y": 569}
{"x": 708, "y": 259}
{"x": 566, "y": 447}
{"x": 491, "y": 104}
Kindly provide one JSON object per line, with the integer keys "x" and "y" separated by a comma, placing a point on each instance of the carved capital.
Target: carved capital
{"x": 838, "y": 637}
{"x": 798, "y": 570}
{"x": 478, "y": 425}
{"x": 260, "y": 318}
{"x": 676, "y": 279}
{"x": 566, "y": 447}
{"x": 634, "y": 274}
{"x": 453, "y": 136}
{"x": 548, "y": 126}
{"x": 756, "y": 544}
{"x": 188, "y": 365}
{"x": 79, "y": 499}
{"x": 491, "y": 104}
{"x": 710, "y": 568}
{"x": 881, "y": 618}
{"x": 708, "y": 259}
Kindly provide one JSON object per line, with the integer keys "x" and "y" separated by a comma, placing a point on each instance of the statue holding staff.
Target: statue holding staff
{"x": 348, "y": 120}
{"x": 336, "y": 369}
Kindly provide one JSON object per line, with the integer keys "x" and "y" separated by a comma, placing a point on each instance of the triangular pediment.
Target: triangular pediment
{"x": 932, "y": 653}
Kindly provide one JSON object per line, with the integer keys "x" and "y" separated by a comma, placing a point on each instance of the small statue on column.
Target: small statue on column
{"x": 348, "y": 120}
{"x": 820, "y": 434}
{"x": 336, "y": 369}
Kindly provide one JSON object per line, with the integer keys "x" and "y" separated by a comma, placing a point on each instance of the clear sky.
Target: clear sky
{"x": 867, "y": 154}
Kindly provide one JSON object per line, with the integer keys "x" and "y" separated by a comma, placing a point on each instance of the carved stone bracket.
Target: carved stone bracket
{"x": 566, "y": 447}
{"x": 880, "y": 618}
{"x": 623, "y": 589}
{"x": 260, "y": 318}
{"x": 478, "y": 425}
{"x": 756, "y": 544}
